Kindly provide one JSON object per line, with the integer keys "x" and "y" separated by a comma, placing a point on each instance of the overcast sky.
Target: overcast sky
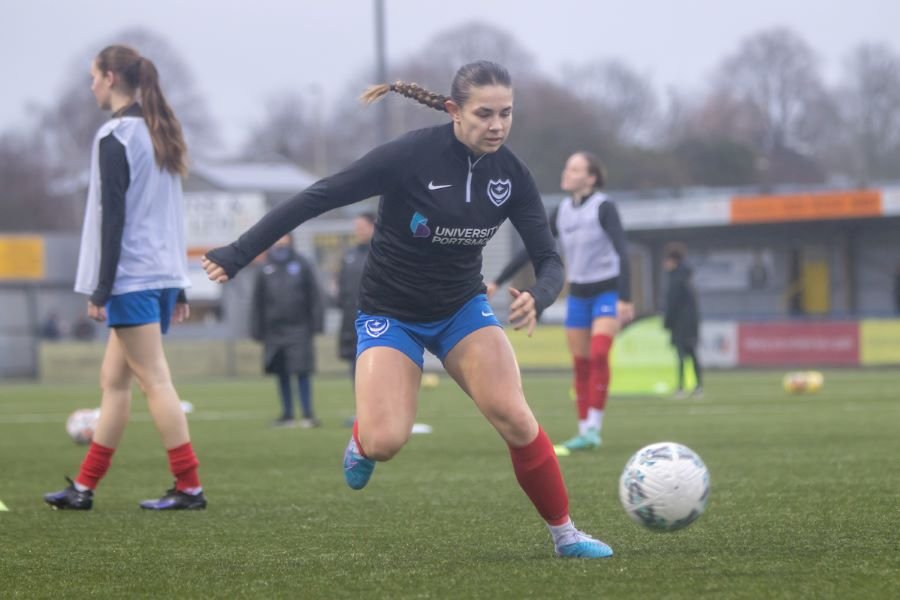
{"x": 242, "y": 52}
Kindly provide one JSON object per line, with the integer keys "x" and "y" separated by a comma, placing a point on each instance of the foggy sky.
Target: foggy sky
{"x": 243, "y": 52}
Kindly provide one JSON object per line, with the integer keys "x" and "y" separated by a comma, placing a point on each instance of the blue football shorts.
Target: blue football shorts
{"x": 412, "y": 339}
{"x": 140, "y": 308}
{"x": 581, "y": 312}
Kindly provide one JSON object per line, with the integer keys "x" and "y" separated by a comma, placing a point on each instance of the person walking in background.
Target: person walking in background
{"x": 287, "y": 312}
{"x": 445, "y": 191}
{"x": 349, "y": 279}
{"x": 133, "y": 266}
{"x": 593, "y": 242}
{"x": 682, "y": 317}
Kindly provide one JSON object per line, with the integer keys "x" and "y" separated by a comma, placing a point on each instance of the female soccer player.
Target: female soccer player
{"x": 133, "y": 265}
{"x": 444, "y": 193}
{"x": 593, "y": 241}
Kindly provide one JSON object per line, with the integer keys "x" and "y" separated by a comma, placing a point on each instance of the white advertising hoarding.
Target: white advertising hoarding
{"x": 214, "y": 219}
{"x": 718, "y": 343}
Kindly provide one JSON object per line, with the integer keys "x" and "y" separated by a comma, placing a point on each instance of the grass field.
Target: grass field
{"x": 805, "y": 500}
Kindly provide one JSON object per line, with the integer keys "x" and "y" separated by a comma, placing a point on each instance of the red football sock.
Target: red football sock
{"x": 359, "y": 447}
{"x": 183, "y": 463}
{"x": 582, "y": 385}
{"x": 599, "y": 379}
{"x": 96, "y": 463}
{"x": 537, "y": 470}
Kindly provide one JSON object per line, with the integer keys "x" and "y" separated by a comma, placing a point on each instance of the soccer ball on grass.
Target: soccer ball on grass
{"x": 664, "y": 487}
{"x": 81, "y": 424}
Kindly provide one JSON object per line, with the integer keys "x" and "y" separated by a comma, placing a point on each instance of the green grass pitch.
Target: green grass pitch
{"x": 805, "y": 499}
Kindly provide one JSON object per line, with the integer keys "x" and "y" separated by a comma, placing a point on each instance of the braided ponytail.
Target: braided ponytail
{"x": 410, "y": 90}
{"x": 476, "y": 74}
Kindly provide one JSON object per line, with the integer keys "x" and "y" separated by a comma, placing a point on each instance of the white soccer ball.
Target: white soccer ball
{"x": 81, "y": 424}
{"x": 664, "y": 486}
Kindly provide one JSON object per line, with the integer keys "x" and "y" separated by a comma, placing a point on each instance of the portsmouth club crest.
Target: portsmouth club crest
{"x": 498, "y": 190}
{"x": 376, "y": 326}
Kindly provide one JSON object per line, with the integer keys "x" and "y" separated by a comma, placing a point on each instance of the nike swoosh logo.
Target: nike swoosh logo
{"x": 487, "y": 314}
{"x": 431, "y": 186}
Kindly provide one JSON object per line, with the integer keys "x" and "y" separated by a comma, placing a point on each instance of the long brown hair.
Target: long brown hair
{"x": 139, "y": 74}
{"x": 595, "y": 168}
{"x": 476, "y": 74}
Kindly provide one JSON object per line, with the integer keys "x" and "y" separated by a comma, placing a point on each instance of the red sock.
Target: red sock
{"x": 599, "y": 379}
{"x": 538, "y": 473}
{"x": 356, "y": 439}
{"x": 96, "y": 463}
{"x": 582, "y": 383}
{"x": 183, "y": 463}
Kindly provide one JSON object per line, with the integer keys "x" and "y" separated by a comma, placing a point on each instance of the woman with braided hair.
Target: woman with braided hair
{"x": 133, "y": 267}
{"x": 444, "y": 191}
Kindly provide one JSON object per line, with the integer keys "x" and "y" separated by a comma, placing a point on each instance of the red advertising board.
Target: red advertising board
{"x": 800, "y": 344}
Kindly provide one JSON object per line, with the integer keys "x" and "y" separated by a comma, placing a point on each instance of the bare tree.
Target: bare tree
{"x": 291, "y": 129}
{"x": 775, "y": 75}
{"x": 25, "y": 200}
{"x": 448, "y": 50}
{"x": 625, "y": 102}
{"x": 706, "y": 137}
{"x": 550, "y": 123}
{"x": 870, "y": 111}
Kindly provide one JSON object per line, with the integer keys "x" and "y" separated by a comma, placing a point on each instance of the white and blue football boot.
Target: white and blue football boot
{"x": 580, "y": 545}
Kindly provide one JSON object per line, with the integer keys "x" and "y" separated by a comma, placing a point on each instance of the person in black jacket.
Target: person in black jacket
{"x": 287, "y": 312}
{"x": 445, "y": 191}
{"x": 349, "y": 280}
{"x": 682, "y": 317}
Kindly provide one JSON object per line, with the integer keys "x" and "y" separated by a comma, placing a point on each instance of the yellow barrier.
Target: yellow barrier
{"x": 879, "y": 342}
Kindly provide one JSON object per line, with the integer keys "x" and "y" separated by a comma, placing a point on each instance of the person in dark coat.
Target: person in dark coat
{"x": 348, "y": 287}
{"x": 682, "y": 317}
{"x": 287, "y": 312}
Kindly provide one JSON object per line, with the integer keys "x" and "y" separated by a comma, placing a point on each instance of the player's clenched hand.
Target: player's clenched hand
{"x": 625, "y": 310}
{"x": 522, "y": 311}
{"x": 182, "y": 312}
{"x": 96, "y": 313}
{"x": 213, "y": 271}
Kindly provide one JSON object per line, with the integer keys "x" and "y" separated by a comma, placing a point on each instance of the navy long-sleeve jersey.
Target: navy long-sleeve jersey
{"x": 440, "y": 205}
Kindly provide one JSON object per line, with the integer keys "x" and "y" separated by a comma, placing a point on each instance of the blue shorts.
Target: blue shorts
{"x": 439, "y": 337}
{"x": 581, "y": 312}
{"x": 140, "y": 308}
